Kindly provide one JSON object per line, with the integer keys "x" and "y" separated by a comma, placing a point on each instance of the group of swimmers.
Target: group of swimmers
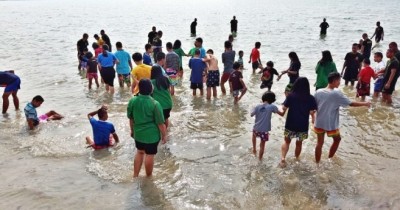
{"x": 155, "y": 74}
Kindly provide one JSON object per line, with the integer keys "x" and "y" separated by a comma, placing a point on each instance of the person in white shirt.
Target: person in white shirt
{"x": 379, "y": 71}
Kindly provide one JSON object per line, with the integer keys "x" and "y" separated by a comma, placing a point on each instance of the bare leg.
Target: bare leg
{"x": 111, "y": 90}
{"x": 253, "y": 139}
{"x": 215, "y": 92}
{"x": 389, "y": 99}
{"x": 6, "y": 103}
{"x": 297, "y": 152}
{"x": 90, "y": 83}
{"x": 223, "y": 90}
{"x": 236, "y": 100}
{"x": 166, "y": 123}
{"x": 242, "y": 94}
{"x": 262, "y": 148}
{"x": 284, "y": 150}
{"x": 107, "y": 87}
{"x": 208, "y": 93}
{"x": 89, "y": 140}
{"x": 137, "y": 164}
{"x": 172, "y": 90}
{"x": 194, "y": 92}
{"x": 15, "y": 100}
{"x": 318, "y": 147}
{"x": 376, "y": 94}
{"x": 97, "y": 82}
{"x": 335, "y": 146}
{"x": 148, "y": 164}
{"x": 201, "y": 92}
{"x": 52, "y": 115}
{"x": 121, "y": 81}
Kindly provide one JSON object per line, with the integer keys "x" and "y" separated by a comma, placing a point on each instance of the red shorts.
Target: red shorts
{"x": 332, "y": 133}
{"x": 225, "y": 77}
{"x": 111, "y": 143}
{"x": 92, "y": 75}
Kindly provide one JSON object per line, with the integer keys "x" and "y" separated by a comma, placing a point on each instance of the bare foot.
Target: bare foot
{"x": 282, "y": 164}
{"x": 254, "y": 152}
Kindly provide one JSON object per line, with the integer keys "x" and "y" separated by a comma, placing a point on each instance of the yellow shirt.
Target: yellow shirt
{"x": 141, "y": 71}
{"x": 100, "y": 42}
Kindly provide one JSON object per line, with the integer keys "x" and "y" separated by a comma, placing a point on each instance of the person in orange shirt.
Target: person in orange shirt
{"x": 141, "y": 71}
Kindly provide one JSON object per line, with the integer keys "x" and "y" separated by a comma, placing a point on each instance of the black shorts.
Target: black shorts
{"x": 166, "y": 113}
{"x": 108, "y": 75}
{"x": 195, "y": 86}
{"x": 391, "y": 88}
{"x": 255, "y": 65}
{"x": 149, "y": 149}
{"x": 213, "y": 78}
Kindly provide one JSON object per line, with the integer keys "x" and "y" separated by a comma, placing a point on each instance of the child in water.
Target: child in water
{"x": 364, "y": 79}
{"x": 262, "y": 124}
{"x": 240, "y": 59}
{"x": 267, "y": 77}
{"x": 92, "y": 70}
{"x": 31, "y": 114}
{"x": 236, "y": 83}
{"x": 103, "y": 132}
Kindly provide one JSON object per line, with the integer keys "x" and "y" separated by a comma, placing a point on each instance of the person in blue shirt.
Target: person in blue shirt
{"x": 12, "y": 83}
{"x": 124, "y": 66}
{"x": 146, "y": 55}
{"x": 32, "y": 116}
{"x": 199, "y": 69}
{"x": 199, "y": 46}
{"x": 104, "y": 134}
{"x": 106, "y": 62}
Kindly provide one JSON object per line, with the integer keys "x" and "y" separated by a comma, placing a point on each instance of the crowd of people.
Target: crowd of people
{"x": 155, "y": 74}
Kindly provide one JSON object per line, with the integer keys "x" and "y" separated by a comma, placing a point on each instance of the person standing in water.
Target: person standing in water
{"x": 324, "y": 67}
{"x": 366, "y": 46}
{"x": 378, "y": 33}
{"x": 80, "y": 46}
{"x": 234, "y": 23}
{"x": 12, "y": 83}
{"x": 213, "y": 73}
{"x": 106, "y": 39}
{"x": 352, "y": 65}
{"x": 152, "y": 34}
{"x": 324, "y": 26}
{"x": 193, "y": 27}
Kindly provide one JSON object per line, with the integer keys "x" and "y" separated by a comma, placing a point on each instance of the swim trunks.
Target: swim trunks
{"x": 213, "y": 78}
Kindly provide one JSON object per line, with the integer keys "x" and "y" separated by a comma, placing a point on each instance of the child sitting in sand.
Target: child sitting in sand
{"x": 103, "y": 132}
{"x": 31, "y": 114}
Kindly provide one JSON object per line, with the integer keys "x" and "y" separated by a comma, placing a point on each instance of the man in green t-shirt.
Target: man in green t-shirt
{"x": 146, "y": 121}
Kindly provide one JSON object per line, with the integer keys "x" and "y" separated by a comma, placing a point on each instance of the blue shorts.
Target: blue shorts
{"x": 378, "y": 85}
{"x": 13, "y": 87}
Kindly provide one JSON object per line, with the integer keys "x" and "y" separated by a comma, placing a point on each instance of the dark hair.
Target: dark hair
{"x": 301, "y": 86}
{"x": 38, "y": 98}
{"x": 258, "y": 44}
{"x": 379, "y": 54}
{"x": 333, "y": 76}
{"x": 102, "y": 31}
{"x": 96, "y": 36}
{"x": 268, "y": 97}
{"x": 199, "y": 39}
{"x": 118, "y": 45}
{"x": 160, "y": 56}
{"x": 210, "y": 51}
{"x": 293, "y": 57}
{"x": 367, "y": 61}
{"x": 378, "y": 23}
{"x": 105, "y": 49}
{"x": 177, "y": 44}
{"x": 95, "y": 45}
{"x": 161, "y": 80}
{"x": 394, "y": 44}
{"x": 147, "y": 46}
{"x": 241, "y": 51}
{"x": 145, "y": 87}
{"x": 197, "y": 52}
{"x": 270, "y": 64}
{"x": 228, "y": 44}
{"x": 137, "y": 57}
{"x": 89, "y": 55}
{"x": 355, "y": 44}
{"x": 159, "y": 33}
{"x": 326, "y": 57}
{"x": 169, "y": 45}
{"x": 236, "y": 65}
{"x": 101, "y": 112}
{"x": 85, "y": 49}
{"x": 230, "y": 36}
{"x": 85, "y": 35}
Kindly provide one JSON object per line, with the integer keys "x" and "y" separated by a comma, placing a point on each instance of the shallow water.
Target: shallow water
{"x": 207, "y": 163}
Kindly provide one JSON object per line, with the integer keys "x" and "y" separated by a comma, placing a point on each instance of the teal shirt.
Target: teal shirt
{"x": 163, "y": 96}
{"x": 322, "y": 72}
{"x": 180, "y": 53}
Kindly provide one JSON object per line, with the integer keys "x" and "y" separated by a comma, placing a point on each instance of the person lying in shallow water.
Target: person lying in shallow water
{"x": 31, "y": 114}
